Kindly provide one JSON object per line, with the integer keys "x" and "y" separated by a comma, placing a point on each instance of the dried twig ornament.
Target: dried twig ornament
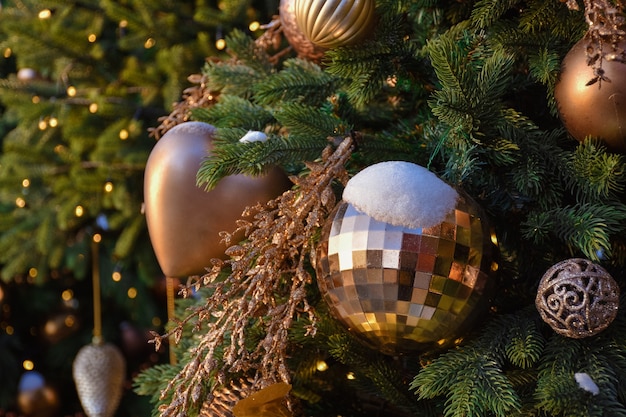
{"x": 606, "y": 30}
{"x": 265, "y": 288}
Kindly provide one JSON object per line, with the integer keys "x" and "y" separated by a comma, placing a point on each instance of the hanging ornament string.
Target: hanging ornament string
{"x": 169, "y": 291}
{"x": 97, "y": 307}
{"x": 606, "y": 27}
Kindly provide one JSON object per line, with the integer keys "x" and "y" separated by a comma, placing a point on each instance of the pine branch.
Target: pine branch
{"x": 234, "y": 112}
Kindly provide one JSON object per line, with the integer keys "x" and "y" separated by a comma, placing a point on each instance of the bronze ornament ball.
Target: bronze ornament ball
{"x": 401, "y": 289}
{"x": 184, "y": 220}
{"x": 334, "y": 23}
{"x": 577, "y": 298}
{"x": 598, "y": 109}
{"x": 303, "y": 47}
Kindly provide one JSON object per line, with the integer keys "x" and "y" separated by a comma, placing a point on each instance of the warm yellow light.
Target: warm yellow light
{"x": 53, "y": 122}
{"x": 254, "y": 26}
{"x": 70, "y": 320}
{"x": 67, "y": 295}
{"x": 32, "y": 272}
{"x": 25, "y": 183}
{"x": 97, "y": 238}
{"x": 494, "y": 266}
{"x": 116, "y": 276}
{"x": 132, "y": 292}
{"x": 123, "y": 23}
{"x": 42, "y": 124}
{"x": 350, "y": 375}
{"x": 79, "y": 211}
{"x": 35, "y": 99}
{"x": 28, "y": 365}
{"x": 7, "y": 52}
{"x": 124, "y": 134}
{"x": 149, "y": 43}
{"x": 45, "y": 14}
{"x": 9, "y": 330}
{"x": 20, "y": 202}
{"x": 71, "y": 91}
{"x": 93, "y": 107}
{"x": 92, "y": 37}
{"x": 494, "y": 238}
{"x": 220, "y": 44}
{"x": 108, "y": 186}
{"x": 321, "y": 366}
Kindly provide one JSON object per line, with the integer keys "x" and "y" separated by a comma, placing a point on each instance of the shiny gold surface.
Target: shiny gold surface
{"x": 183, "y": 219}
{"x": 577, "y": 298}
{"x": 333, "y": 23}
{"x": 300, "y": 43}
{"x": 398, "y": 288}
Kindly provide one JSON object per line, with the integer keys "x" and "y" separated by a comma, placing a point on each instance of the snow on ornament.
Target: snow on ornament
{"x": 405, "y": 260}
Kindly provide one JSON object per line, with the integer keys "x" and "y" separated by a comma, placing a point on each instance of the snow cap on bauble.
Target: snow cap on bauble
{"x": 401, "y": 193}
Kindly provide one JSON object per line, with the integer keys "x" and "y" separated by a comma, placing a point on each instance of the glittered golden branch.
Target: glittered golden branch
{"x": 266, "y": 286}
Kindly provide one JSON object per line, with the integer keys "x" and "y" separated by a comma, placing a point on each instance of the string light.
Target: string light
{"x": 108, "y": 186}
{"x": 43, "y": 124}
{"x": 220, "y": 44}
{"x": 20, "y": 202}
{"x": 25, "y": 183}
{"x": 91, "y": 38}
{"x": 254, "y": 26}
{"x": 350, "y": 376}
{"x": 70, "y": 320}
{"x": 123, "y": 23}
{"x": 93, "y": 107}
{"x": 7, "y": 52}
{"x": 116, "y": 276}
{"x": 53, "y": 122}
{"x": 35, "y": 99}
{"x": 124, "y": 134}
{"x": 71, "y": 91}
{"x": 45, "y": 14}
{"x": 67, "y": 295}
{"x": 9, "y": 330}
{"x": 97, "y": 238}
{"x": 132, "y": 292}
{"x": 149, "y": 43}
{"x": 79, "y": 211}
{"x": 32, "y": 272}
{"x": 28, "y": 365}
{"x": 321, "y": 366}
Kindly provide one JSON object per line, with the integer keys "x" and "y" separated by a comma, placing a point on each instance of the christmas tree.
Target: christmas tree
{"x": 81, "y": 84}
{"x": 419, "y": 136}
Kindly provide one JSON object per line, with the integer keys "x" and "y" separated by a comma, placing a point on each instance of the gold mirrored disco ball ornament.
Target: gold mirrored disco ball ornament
{"x": 401, "y": 289}
{"x": 577, "y": 298}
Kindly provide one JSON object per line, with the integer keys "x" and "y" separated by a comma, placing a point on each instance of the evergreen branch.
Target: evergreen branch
{"x": 231, "y": 79}
{"x": 308, "y": 121}
{"x": 299, "y": 80}
{"x": 486, "y": 12}
{"x": 248, "y": 53}
{"x": 232, "y": 111}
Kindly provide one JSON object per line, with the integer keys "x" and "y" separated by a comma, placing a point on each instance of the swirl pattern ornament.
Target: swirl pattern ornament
{"x": 577, "y": 298}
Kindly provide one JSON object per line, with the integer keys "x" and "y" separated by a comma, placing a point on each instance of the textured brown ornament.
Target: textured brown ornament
{"x": 183, "y": 219}
{"x": 99, "y": 371}
{"x": 577, "y": 298}
{"x": 598, "y": 109}
{"x": 401, "y": 289}
{"x": 304, "y": 47}
{"x": 333, "y": 23}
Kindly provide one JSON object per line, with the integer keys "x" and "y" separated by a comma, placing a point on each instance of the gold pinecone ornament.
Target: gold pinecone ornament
{"x": 99, "y": 370}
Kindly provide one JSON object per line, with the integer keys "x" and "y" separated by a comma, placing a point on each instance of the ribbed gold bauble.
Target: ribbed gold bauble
{"x": 577, "y": 298}
{"x": 401, "y": 289}
{"x": 183, "y": 219}
{"x": 598, "y": 109}
{"x": 304, "y": 47}
{"x": 333, "y": 23}
{"x": 99, "y": 371}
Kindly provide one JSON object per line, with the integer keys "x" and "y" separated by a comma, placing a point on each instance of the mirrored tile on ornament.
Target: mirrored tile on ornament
{"x": 422, "y": 280}
{"x": 391, "y": 258}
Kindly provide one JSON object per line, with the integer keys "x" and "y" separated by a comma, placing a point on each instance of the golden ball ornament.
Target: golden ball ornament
{"x": 184, "y": 220}
{"x": 399, "y": 288}
{"x": 99, "y": 371}
{"x": 303, "y": 46}
{"x": 595, "y": 109}
{"x": 334, "y": 23}
{"x": 577, "y": 298}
